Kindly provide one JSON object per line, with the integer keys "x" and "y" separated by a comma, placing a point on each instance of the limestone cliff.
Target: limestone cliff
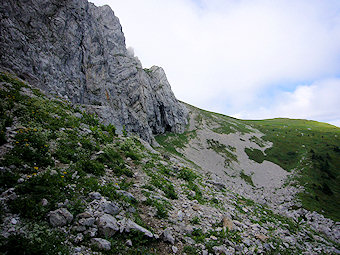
{"x": 76, "y": 50}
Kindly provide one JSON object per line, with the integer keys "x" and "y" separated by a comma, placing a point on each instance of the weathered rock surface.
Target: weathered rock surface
{"x": 167, "y": 236}
{"x": 127, "y": 225}
{"x": 101, "y": 243}
{"x": 60, "y": 217}
{"x": 107, "y": 225}
{"x": 77, "y": 51}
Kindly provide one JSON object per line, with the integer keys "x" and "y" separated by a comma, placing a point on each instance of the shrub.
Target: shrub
{"x": 31, "y": 192}
{"x": 112, "y": 158}
{"x": 187, "y": 175}
{"x": 255, "y": 154}
{"x": 91, "y": 167}
{"x": 41, "y": 240}
{"x": 30, "y": 148}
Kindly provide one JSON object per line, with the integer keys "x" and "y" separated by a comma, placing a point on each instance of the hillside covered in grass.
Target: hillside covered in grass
{"x": 312, "y": 149}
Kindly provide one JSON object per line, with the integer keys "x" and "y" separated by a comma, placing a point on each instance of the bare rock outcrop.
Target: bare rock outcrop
{"x": 77, "y": 51}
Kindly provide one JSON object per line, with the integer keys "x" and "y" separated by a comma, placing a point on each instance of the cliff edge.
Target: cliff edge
{"x": 77, "y": 51}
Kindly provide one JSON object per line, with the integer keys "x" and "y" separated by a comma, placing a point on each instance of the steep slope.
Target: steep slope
{"x": 290, "y": 165}
{"x": 70, "y": 185}
{"x": 77, "y": 51}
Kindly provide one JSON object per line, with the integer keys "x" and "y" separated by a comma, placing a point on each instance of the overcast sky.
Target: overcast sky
{"x": 250, "y": 59}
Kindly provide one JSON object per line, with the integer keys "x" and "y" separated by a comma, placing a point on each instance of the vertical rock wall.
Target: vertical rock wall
{"x": 76, "y": 50}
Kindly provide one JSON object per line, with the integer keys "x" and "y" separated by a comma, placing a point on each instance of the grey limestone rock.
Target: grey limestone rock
{"x": 60, "y": 217}
{"x": 127, "y": 224}
{"x": 167, "y": 236}
{"x": 77, "y": 51}
{"x": 95, "y": 195}
{"x": 101, "y": 243}
{"x": 107, "y": 225}
{"x": 110, "y": 208}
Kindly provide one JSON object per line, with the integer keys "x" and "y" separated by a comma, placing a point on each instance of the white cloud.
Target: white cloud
{"x": 318, "y": 101}
{"x": 225, "y": 55}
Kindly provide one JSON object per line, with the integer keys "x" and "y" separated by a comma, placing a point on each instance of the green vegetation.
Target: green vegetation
{"x": 161, "y": 205}
{"x": 60, "y": 152}
{"x": 171, "y": 141}
{"x": 313, "y": 148}
{"x": 195, "y": 220}
{"x": 255, "y": 154}
{"x": 246, "y": 178}
{"x": 223, "y": 150}
{"x": 204, "y": 237}
{"x": 40, "y": 240}
{"x": 160, "y": 178}
{"x": 190, "y": 177}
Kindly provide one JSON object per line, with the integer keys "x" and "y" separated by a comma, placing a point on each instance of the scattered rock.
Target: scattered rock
{"x": 78, "y": 115}
{"x": 87, "y": 221}
{"x": 189, "y": 240}
{"x": 92, "y": 232}
{"x": 79, "y": 238}
{"x": 9, "y": 194}
{"x": 220, "y": 249}
{"x": 44, "y": 202}
{"x": 127, "y": 224}
{"x": 129, "y": 243}
{"x": 107, "y": 225}
{"x": 126, "y": 194}
{"x": 213, "y": 238}
{"x": 218, "y": 185}
{"x": 180, "y": 215}
{"x": 60, "y": 217}
{"x": 84, "y": 215}
{"x": 167, "y": 236}
{"x": 196, "y": 207}
{"x": 95, "y": 195}
{"x": 174, "y": 249}
{"x": 261, "y": 237}
{"x": 228, "y": 224}
{"x": 101, "y": 244}
{"x": 79, "y": 228}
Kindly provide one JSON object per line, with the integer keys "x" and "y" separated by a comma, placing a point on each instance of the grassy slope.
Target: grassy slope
{"x": 59, "y": 152}
{"x": 313, "y": 148}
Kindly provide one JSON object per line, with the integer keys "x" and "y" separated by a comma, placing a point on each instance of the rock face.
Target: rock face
{"x": 76, "y": 50}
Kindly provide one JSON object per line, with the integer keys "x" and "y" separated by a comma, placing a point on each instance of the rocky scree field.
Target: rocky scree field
{"x": 71, "y": 185}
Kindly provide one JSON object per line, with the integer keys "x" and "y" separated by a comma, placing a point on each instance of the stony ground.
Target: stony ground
{"x": 71, "y": 186}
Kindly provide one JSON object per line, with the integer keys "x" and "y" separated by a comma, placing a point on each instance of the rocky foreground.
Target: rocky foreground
{"x": 70, "y": 185}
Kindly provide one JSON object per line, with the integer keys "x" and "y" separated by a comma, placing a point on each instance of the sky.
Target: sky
{"x": 250, "y": 59}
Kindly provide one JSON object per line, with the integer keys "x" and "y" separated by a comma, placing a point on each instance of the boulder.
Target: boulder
{"x": 127, "y": 224}
{"x": 95, "y": 195}
{"x": 60, "y": 217}
{"x": 107, "y": 225}
{"x": 110, "y": 208}
{"x": 101, "y": 244}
